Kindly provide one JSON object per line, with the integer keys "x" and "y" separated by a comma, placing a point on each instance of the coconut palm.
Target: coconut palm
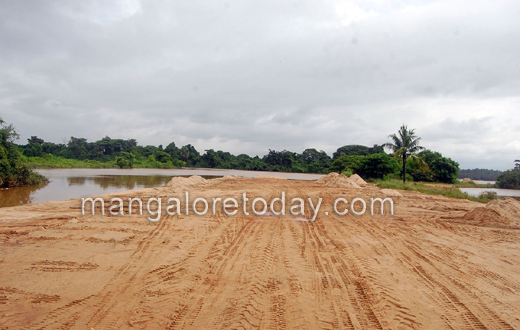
{"x": 405, "y": 145}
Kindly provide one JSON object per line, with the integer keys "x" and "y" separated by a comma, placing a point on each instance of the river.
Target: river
{"x": 76, "y": 183}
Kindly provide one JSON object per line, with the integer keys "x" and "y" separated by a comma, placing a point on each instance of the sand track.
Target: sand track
{"x": 427, "y": 266}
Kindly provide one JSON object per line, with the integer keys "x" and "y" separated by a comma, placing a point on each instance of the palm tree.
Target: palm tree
{"x": 405, "y": 145}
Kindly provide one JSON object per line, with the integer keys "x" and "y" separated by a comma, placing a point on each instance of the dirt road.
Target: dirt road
{"x": 437, "y": 263}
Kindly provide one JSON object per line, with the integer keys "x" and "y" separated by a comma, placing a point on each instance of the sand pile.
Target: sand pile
{"x": 391, "y": 192}
{"x": 359, "y": 180}
{"x": 337, "y": 180}
{"x": 467, "y": 180}
{"x": 180, "y": 182}
{"x": 507, "y": 207}
{"x": 504, "y": 213}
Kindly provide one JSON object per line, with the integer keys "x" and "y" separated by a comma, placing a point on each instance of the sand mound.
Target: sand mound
{"x": 507, "y": 207}
{"x": 180, "y": 182}
{"x": 498, "y": 213}
{"x": 269, "y": 177}
{"x": 467, "y": 180}
{"x": 359, "y": 180}
{"x": 391, "y": 192}
{"x": 230, "y": 177}
{"x": 337, "y": 180}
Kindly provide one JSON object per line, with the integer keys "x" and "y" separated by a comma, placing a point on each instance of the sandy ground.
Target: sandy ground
{"x": 437, "y": 263}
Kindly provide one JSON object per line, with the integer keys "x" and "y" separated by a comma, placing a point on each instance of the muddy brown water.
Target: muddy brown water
{"x": 76, "y": 183}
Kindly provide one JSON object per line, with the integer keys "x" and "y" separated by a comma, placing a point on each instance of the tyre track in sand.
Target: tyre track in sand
{"x": 415, "y": 270}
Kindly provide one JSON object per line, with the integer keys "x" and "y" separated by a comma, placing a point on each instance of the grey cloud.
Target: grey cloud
{"x": 252, "y": 76}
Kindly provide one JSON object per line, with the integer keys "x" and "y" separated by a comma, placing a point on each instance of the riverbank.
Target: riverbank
{"x": 61, "y": 269}
{"x": 431, "y": 188}
{"x": 54, "y": 162}
{"x": 83, "y": 182}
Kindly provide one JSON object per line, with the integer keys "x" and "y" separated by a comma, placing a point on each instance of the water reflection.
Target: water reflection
{"x": 63, "y": 187}
{"x": 120, "y": 181}
{"x": 500, "y": 192}
{"x": 19, "y": 195}
{"x": 77, "y": 183}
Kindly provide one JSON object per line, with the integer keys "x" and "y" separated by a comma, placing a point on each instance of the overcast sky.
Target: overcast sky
{"x": 248, "y": 76}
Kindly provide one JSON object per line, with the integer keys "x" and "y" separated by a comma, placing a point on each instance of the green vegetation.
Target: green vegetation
{"x": 510, "y": 179}
{"x": 405, "y": 145}
{"x": 122, "y": 161}
{"x": 369, "y": 162}
{"x": 357, "y": 150}
{"x": 489, "y": 195}
{"x": 374, "y": 166}
{"x": 434, "y": 168}
{"x": 13, "y": 173}
{"x": 109, "y": 152}
{"x": 409, "y": 161}
{"x": 429, "y": 189}
{"x": 472, "y": 184}
{"x": 479, "y": 174}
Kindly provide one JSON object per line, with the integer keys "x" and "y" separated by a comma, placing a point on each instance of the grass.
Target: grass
{"x": 451, "y": 191}
{"x": 59, "y": 162}
{"x": 461, "y": 184}
{"x": 50, "y": 161}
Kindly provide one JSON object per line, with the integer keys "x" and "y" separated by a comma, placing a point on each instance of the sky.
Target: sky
{"x": 249, "y": 76}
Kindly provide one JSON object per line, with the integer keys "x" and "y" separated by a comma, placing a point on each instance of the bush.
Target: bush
{"x": 436, "y": 169}
{"x": 509, "y": 179}
{"x": 125, "y": 160}
{"x": 348, "y": 173}
{"x": 352, "y": 163}
{"x": 488, "y": 195}
{"x": 398, "y": 176}
{"x": 13, "y": 172}
{"x": 376, "y": 166}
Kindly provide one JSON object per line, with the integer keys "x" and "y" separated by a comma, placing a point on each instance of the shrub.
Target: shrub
{"x": 13, "y": 172}
{"x": 509, "y": 179}
{"x": 488, "y": 195}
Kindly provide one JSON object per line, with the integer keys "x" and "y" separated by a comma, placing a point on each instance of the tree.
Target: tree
{"x": 405, "y": 145}
{"x": 12, "y": 172}
{"x": 189, "y": 154}
{"x": 210, "y": 159}
{"x": 173, "y": 151}
{"x": 125, "y": 160}
{"x": 509, "y": 179}
{"x": 346, "y": 163}
{"x": 357, "y": 150}
{"x": 162, "y": 157}
{"x": 376, "y": 166}
{"x": 434, "y": 167}
{"x": 279, "y": 161}
{"x": 34, "y": 148}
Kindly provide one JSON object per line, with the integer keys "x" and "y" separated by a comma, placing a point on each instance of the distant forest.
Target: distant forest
{"x": 128, "y": 154}
{"x": 369, "y": 162}
{"x": 479, "y": 174}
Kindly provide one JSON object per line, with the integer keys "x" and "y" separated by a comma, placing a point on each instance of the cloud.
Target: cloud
{"x": 247, "y": 77}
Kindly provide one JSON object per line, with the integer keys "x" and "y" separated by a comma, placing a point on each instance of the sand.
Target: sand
{"x": 337, "y": 180}
{"x": 358, "y": 180}
{"x": 438, "y": 263}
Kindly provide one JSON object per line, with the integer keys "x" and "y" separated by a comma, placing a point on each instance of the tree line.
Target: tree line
{"x": 479, "y": 174}
{"x": 414, "y": 163}
{"x": 408, "y": 159}
{"x": 510, "y": 179}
